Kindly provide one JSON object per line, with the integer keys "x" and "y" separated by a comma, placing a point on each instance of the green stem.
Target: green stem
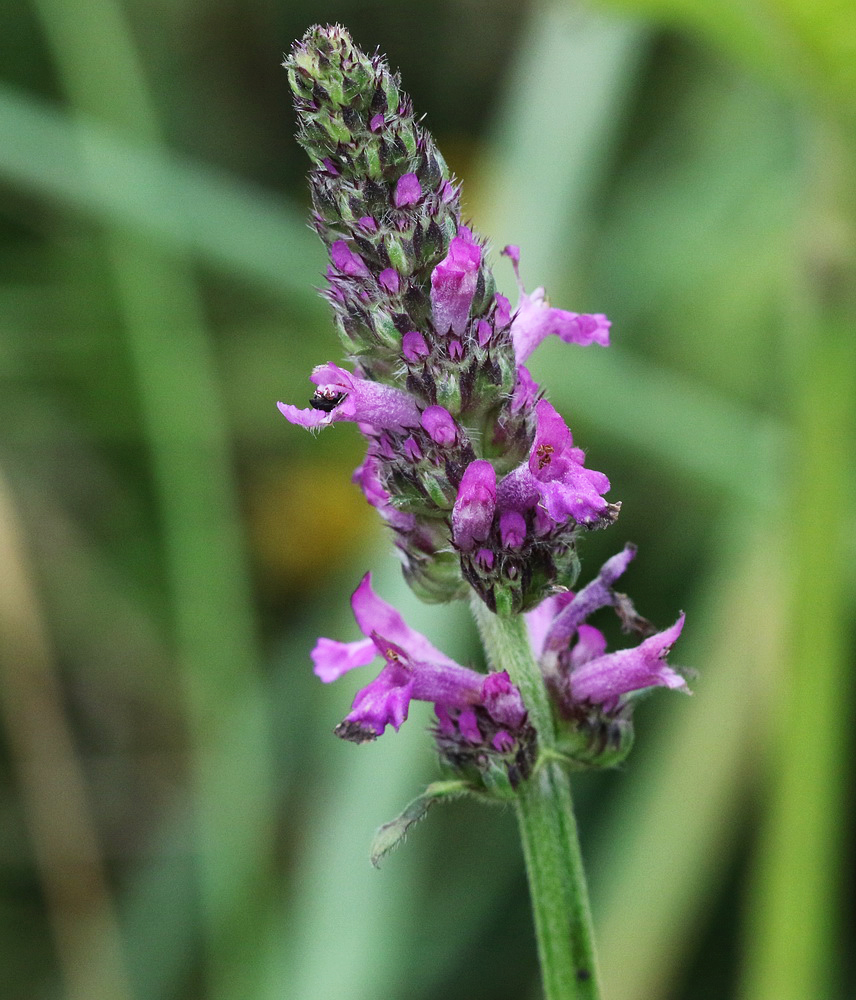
{"x": 557, "y": 884}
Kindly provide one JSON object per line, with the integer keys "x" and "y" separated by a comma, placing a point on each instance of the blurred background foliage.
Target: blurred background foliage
{"x": 176, "y": 819}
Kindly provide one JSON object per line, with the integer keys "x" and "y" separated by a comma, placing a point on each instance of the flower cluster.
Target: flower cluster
{"x": 471, "y": 467}
{"x": 484, "y": 715}
{"x": 475, "y": 472}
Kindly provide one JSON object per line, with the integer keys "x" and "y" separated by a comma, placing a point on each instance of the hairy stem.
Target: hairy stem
{"x": 557, "y": 884}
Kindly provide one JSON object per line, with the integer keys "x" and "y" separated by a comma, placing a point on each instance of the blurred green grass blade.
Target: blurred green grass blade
{"x": 659, "y": 858}
{"x": 794, "y": 933}
{"x": 194, "y": 482}
{"x": 808, "y": 47}
{"x": 91, "y": 168}
{"x": 563, "y": 108}
{"x": 53, "y": 786}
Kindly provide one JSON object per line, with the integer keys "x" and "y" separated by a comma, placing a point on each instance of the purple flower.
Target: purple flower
{"x": 414, "y": 669}
{"x": 536, "y": 319}
{"x": 347, "y": 261}
{"x": 343, "y": 395}
{"x": 566, "y": 487}
{"x": 572, "y": 654}
{"x": 601, "y": 679}
{"x": 413, "y": 346}
{"x": 554, "y": 478}
{"x": 368, "y": 224}
{"x": 440, "y": 425}
{"x": 472, "y": 514}
{"x": 389, "y": 280}
{"x": 367, "y": 477}
{"x": 453, "y": 283}
{"x": 512, "y": 529}
{"x": 502, "y": 314}
{"x": 525, "y": 390}
{"x": 408, "y": 190}
{"x": 596, "y": 594}
{"x": 376, "y": 123}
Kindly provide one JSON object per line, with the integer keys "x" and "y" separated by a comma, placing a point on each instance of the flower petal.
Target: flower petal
{"x": 374, "y": 615}
{"x": 603, "y": 680}
{"x": 332, "y": 659}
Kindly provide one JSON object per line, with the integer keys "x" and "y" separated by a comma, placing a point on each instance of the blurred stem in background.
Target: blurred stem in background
{"x": 204, "y": 549}
{"x": 793, "y": 934}
{"x": 53, "y": 787}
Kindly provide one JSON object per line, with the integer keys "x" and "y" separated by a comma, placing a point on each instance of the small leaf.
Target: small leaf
{"x": 391, "y": 834}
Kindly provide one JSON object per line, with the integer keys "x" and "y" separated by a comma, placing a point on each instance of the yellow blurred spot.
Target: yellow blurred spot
{"x": 303, "y": 519}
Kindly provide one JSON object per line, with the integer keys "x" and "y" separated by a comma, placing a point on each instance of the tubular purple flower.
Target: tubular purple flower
{"x": 502, "y": 699}
{"x": 605, "y": 678}
{"x": 567, "y": 488}
{"x": 554, "y": 477}
{"x": 440, "y": 425}
{"x": 343, "y": 395}
{"x": 368, "y": 224}
{"x": 596, "y": 594}
{"x": 453, "y": 283}
{"x": 415, "y": 669}
{"x": 347, "y": 261}
{"x": 536, "y": 319}
{"x": 472, "y": 514}
{"x": 408, "y": 190}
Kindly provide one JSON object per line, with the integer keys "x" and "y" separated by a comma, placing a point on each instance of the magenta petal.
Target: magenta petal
{"x": 552, "y": 437}
{"x": 512, "y": 529}
{"x": 469, "y": 727}
{"x": 540, "y": 619}
{"x": 503, "y": 742}
{"x": 604, "y": 679}
{"x": 591, "y": 643}
{"x": 413, "y": 346}
{"x": 332, "y": 659}
{"x": 536, "y": 319}
{"x": 472, "y": 514}
{"x": 408, "y": 190}
{"x": 347, "y": 261}
{"x": 389, "y": 280}
{"x": 525, "y": 390}
{"x": 384, "y": 702}
{"x": 502, "y": 700}
{"x": 484, "y": 331}
{"x": 374, "y": 615}
{"x": 365, "y": 401}
{"x": 304, "y": 418}
{"x": 440, "y": 425}
{"x": 453, "y": 284}
{"x": 596, "y": 594}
